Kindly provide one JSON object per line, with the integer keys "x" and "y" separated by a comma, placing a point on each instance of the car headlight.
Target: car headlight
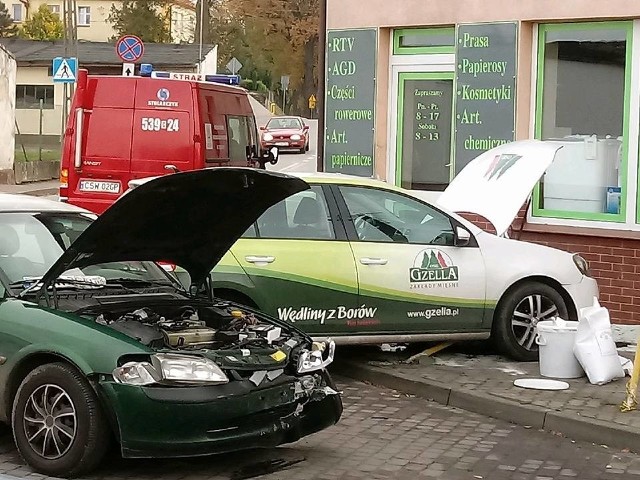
{"x": 268, "y": 137}
{"x": 319, "y": 357}
{"x": 582, "y": 265}
{"x": 171, "y": 368}
{"x": 295, "y": 137}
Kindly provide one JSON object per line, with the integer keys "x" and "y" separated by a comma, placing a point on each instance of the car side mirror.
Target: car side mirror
{"x": 271, "y": 155}
{"x": 306, "y": 128}
{"x": 262, "y": 128}
{"x": 463, "y": 237}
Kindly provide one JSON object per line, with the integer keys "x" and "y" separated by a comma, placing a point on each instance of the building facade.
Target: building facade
{"x": 7, "y": 113}
{"x": 92, "y": 17}
{"x": 417, "y": 89}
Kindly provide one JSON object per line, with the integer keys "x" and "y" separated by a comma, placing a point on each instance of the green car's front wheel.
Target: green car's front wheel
{"x": 58, "y": 425}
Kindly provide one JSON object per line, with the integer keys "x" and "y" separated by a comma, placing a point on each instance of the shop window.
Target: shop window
{"x": 416, "y": 41}
{"x": 582, "y": 90}
{"x": 84, "y": 16}
{"x": 29, "y": 96}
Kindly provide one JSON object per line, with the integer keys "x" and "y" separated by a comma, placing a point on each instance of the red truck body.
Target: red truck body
{"x": 124, "y": 128}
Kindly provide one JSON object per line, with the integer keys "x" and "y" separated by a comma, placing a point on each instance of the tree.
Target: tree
{"x": 144, "y": 19}
{"x": 282, "y": 37}
{"x": 43, "y": 25}
{"x": 7, "y": 27}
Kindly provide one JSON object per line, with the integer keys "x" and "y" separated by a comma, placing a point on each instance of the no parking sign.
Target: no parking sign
{"x": 129, "y": 48}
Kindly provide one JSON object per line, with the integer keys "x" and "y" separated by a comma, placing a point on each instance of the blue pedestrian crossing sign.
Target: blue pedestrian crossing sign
{"x": 65, "y": 70}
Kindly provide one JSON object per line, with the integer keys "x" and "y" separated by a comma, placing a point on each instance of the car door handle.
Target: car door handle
{"x": 259, "y": 259}
{"x": 373, "y": 261}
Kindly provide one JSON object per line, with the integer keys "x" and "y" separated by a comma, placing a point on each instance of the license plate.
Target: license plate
{"x": 282, "y": 144}
{"x": 99, "y": 186}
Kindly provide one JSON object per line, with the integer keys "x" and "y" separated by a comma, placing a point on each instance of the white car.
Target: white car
{"x": 364, "y": 262}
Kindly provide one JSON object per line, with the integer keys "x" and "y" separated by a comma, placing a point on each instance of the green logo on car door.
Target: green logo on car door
{"x": 433, "y": 266}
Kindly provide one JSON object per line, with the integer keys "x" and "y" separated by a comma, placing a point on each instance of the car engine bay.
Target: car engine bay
{"x": 237, "y": 339}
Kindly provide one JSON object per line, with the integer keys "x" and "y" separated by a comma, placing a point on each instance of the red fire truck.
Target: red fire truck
{"x": 124, "y": 128}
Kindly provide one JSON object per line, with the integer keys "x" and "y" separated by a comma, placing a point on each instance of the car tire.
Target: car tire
{"x": 302, "y": 150}
{"x": 306, "y": 149}
{"x": 517, "y": 315}
{"x": 57, "y": 400}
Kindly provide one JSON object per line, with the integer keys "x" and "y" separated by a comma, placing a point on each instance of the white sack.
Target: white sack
{"x": 594, "y": 348}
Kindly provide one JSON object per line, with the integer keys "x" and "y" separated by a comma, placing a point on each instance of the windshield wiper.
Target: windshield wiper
{"x": 32, "y": 283}
{"x": 140, "y": 281}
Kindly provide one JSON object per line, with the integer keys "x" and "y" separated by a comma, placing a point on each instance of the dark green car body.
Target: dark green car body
{"x": 267, "y": 400}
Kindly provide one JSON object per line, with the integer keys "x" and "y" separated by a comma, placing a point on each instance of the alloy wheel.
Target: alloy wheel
{"x": 50, "y": 421}
{"x": 529, "y": 311}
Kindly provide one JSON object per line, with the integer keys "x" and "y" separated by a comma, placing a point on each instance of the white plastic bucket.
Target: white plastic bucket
{"x": 555, "y": 339}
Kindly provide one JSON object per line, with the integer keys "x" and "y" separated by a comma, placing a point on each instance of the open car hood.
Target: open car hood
{"x": 190, "y": 219}
{"x": 497, "y": 183}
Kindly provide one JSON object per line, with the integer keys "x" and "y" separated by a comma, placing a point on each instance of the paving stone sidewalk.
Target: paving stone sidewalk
{"x": 484, "y": 384}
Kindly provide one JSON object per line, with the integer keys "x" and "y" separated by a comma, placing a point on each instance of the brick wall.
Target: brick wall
{"x": 614, "y": 262}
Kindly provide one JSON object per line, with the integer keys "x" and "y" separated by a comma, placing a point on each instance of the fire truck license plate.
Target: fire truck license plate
{"x": 99, "y": 186}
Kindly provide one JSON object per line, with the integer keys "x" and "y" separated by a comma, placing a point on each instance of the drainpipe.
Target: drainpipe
{"x": 26, "y": 7}
{"x": 322, "y": 72}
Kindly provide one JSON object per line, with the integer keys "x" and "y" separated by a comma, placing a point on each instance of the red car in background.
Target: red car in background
{"x": 286, "y": 133}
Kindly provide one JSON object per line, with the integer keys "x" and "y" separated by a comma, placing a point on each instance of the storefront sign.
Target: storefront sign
{"x": 349, "y": 102}
{"x": 486, "y": 56}
{"x": 426, "y": 130}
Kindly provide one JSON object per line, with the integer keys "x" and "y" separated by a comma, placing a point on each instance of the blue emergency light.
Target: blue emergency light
{"x": 226, "y": 79}
{"x": 146, "y": 70}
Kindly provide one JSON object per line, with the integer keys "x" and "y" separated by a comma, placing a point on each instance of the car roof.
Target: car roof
{"x": 342, "y": 178}
{"x": 15, "y": 202}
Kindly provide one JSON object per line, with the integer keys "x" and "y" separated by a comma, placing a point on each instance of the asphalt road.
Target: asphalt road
{"x": 385, "y": 435}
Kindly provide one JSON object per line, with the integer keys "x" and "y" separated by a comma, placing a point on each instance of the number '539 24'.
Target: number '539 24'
{"x": 156, "y": 124}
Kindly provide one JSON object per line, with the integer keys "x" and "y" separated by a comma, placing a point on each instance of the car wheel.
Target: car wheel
{"x": 515, "y": 320}
{"x": 306, "y": 149}
{"x": 58, "y": 425}
{"x": 302, "y": 150}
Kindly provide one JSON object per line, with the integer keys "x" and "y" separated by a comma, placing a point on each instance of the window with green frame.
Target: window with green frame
{"x": 421, "y": 41}
{"x": 582, "y": 101}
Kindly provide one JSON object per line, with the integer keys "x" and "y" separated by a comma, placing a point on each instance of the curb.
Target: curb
{"x": 568, "y": 424}
{"x": 42, "y": 192}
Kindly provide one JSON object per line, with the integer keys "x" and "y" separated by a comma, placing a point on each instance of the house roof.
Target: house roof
{"x": 39, "y": 53}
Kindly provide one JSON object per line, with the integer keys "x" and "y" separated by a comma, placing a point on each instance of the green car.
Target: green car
{"x": 99, "y": 343}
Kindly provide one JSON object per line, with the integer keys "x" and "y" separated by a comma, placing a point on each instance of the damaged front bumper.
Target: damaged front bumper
{"x": 159, "y": 421}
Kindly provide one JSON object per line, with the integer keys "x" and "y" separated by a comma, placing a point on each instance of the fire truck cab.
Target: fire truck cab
{"x": 124, "y": 128}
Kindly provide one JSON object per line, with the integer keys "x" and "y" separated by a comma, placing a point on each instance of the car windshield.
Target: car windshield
{"x": 31, "y": 243}
{"x": 284, "y": 123}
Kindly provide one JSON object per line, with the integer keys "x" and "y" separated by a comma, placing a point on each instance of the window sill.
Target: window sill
{"x": 579, "y": 230}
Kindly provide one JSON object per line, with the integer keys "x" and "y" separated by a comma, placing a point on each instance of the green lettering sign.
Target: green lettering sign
{"x": 350, "y": 100}
{"x": 485, "y": 88}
